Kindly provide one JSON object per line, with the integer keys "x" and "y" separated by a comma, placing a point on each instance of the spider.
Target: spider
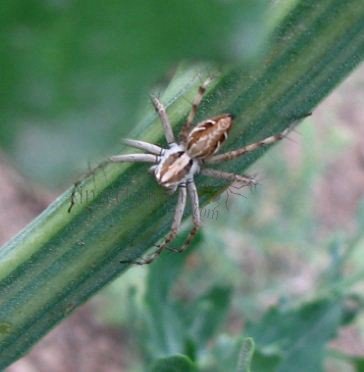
{"x": 175, "y": 167}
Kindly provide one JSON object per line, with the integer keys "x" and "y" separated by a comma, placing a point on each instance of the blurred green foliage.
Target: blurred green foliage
{"x": 75, "y": 75}
{"x": 174, "y": 364}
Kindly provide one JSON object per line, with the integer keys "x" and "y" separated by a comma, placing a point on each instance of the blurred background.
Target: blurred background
{"x": 74, "y": 80}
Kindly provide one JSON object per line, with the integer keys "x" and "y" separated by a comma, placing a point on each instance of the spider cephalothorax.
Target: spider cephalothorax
{"x": 176, "y": 166}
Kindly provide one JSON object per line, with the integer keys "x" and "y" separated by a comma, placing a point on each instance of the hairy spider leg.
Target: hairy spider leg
{"x": 161, "y": 111}
{"x": 144, "y": 158}
{"x": 249, "y": 148}
{"x": 141, "y": 145}
{"x": 77, "y": 184}
{"x": 176, "y": 224}
{"x": 254, "y": 146}
{"x": 196, "y": 217}
{"x": 244, "y": 180}
{"x": 134, "y": 158}
{"x": 195, "y": 104}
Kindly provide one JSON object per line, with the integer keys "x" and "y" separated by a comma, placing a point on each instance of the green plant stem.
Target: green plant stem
{"x": 61, "y": 259}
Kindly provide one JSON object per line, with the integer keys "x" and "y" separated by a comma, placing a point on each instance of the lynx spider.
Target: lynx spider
{"x": 175, "y": 167}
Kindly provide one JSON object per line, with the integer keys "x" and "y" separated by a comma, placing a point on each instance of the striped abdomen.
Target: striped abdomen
{"x": 206, "y": 137}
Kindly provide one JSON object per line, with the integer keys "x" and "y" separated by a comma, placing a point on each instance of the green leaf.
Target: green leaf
{"x": 246, "y": 355}
{"x": 164, "y": 330}
{"x": 226, "y": 354}
{"x": 207, "y": 314}
{"x": 61, "y": 259}
{"x": 266, "y": 361}
{"x": 358, "y": 363}
{"x": 177, "y": 363}
{"x": 163, "y": 274}
{"x": 297, "y": 336}
{"x": 229, "y": 354}
{"x": 173, "y": 326}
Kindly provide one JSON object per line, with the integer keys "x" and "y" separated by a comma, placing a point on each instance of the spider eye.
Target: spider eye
{"x": 190, "y": 162}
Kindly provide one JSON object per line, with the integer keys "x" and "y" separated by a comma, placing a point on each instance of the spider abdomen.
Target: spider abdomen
{"x": 206, "y": 138}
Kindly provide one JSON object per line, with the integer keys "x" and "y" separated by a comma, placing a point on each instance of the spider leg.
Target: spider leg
{"x": 177, "y": 220}
{"x": 243, "y": 180}
{"x": 149, "y": 147}
{"x": 230, "y": 191}
{"x": 249, "y": 148}
{"x": 238, "y": 185}
{"x": 161, "y": 110}
{"x": 77, "y": 184}
{"x": 195, "y": 104}
{"x": 252, "y": 147}
{"x": 147, "y": 158}
{"x": 196, "y": 217}
{"x": 134, "y": 158}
